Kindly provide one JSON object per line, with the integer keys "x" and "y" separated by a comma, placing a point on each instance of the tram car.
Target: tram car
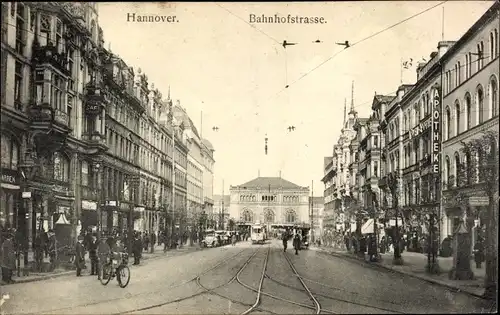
{"x": 258, "y": 234}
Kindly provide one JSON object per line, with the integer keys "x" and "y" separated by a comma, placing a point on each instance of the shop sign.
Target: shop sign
{"x": 423, "y": 126}
{"x": 436, "y": 129}
{"x": 93, "y": 104}
{"x": 89, "y": 205}
{"x": 10, "y": 176}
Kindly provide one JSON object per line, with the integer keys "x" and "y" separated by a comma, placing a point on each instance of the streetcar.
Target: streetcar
{"x": 258, "y": 234}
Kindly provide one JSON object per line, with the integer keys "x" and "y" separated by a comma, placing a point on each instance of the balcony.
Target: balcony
{"x": 50, "y": 123}
{"x": 48, "y": 55}
{"x": 95, "y": 141}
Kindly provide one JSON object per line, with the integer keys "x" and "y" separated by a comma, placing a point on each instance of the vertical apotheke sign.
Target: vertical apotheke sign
{"x": 436, "y": 128}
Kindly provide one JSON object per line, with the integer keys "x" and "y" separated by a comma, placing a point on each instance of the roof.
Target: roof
{"x": 275, "y": 182}
{"x": 208, "y": 144}
{"x": 181, "y": 115}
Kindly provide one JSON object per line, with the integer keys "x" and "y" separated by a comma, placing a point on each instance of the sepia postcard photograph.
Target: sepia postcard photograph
{"x": 307, "y": 157}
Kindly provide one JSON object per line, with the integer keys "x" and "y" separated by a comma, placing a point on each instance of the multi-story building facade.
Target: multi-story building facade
{"x": 208, "y": 179}
{"x": 391, "y": 133}
{"x": 470, "y": 88}
{"x": 194, "y": 165}
{"x": 82, "y": 132}
{"x": 316, "y": 212}
{"x": 329, "y": 171}
{"x": 273, "y": 201}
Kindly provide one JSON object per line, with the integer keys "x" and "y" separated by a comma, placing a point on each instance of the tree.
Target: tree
{"x": 486, "y": 171}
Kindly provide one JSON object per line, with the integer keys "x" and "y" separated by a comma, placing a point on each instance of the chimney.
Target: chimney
{"x": 420, "y": 66}
{"x": 400, "y": 93}
{"x": 443, "y": 47}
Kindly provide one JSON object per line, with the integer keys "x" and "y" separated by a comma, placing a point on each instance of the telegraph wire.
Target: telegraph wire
{"x": 367, "y": 38}
{"x": 252, "y": 26}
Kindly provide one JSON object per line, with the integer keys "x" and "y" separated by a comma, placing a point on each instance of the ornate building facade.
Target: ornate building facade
{"x": 269, "y": 200}
{"x": 86, "y": 139}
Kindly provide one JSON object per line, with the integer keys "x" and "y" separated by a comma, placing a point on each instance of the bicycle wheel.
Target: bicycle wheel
{"x": 123, "y": 276}
{"x": 106, "y": 274}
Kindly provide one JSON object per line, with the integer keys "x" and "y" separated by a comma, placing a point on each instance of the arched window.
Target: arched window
{"x": 468, "y": 111}
{"x": 467, "y": 69}
{"x": 10, "y": 152}
{"x": 447, "y": 126}
{"x": 458, "y": 176}
{"x": 447, "y": 170}
{"x": 493, "y": 97}
{"x": 496, "y": 43}
{"x": 492, "y": 46}
{"x": 247, "y": 216}
{"x": 457, "y": 120}
{"x": 405, "y": 123}
{"x": 268, "y": 216}
{"x": 61, "y": 167}
{"x": 468, "y": 167}
{"x": 290, "y": 216}
{"x": 480, "y": 104}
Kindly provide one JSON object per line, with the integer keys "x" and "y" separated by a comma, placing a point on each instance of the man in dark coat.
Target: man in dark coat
{"x": 8, "y": 261}
{"x": 103, "y": 251}
{"x": 52, "y": 249}
{"x": 153, "y": 241}
{"x": 296, "y": 243}
{"x": 137, "y": 249}
{"x": 285, "y": 240}
{"x": 79, "y": 256}
{"x": 93, "y": 256}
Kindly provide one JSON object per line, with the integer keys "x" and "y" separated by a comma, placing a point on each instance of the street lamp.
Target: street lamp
{"x": 27, "y": 171}
{"x": 393, "y": 183}
{"x": 97, "y": 167}
{"x": 134, "y": 183}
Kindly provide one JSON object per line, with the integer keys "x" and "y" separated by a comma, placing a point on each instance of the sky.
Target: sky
{"x": 232, "y": 74}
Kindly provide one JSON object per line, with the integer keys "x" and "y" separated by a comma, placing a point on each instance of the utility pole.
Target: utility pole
{"x": 312, "y": 211}
{"x": 173, "y": 184}
{"x": 221, "y": 217}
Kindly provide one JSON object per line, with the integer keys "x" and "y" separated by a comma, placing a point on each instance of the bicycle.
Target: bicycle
{"x": 116, "y": 266}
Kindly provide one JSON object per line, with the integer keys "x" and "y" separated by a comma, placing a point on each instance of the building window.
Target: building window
{"x": 61, "y": 167}
{"x": 459, "y": 73}
{"x": 447, "y": 171}
{"x": 447, "y": 126}
{"x": 59, "y": 28}
{"x": 493, "y": 97}
{"x": 20, "y": 29}
{"x": 480, "y": 104}
{"x": 480, "y": 55}
{"x": 18, "y": 85}
{"x": 467, "y": 67}
{"x": 10, "y": 152}
{"x": 45, "y": 29}
{"x": 57, "y": 91}
{"x": 290, "y": 216}
{"x": 457, "y": 121}
{"x": 458, "y": 166}
{"x": 247, "y": 216}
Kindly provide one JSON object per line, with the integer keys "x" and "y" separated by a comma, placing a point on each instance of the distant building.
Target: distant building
{"x": 317, "y": 205}
{"x": 273, "y": 201}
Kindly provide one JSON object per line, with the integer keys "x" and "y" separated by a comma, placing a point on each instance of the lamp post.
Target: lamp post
{"x": 27, "y": 172}
{"x": 134, "y": 183}
{"x": 99, "y": 200}
{"x": 393, "y": 183}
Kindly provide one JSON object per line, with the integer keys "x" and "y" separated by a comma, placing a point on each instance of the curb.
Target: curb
{"x": 70, "y": 272}
{"x": 387, "y": 268}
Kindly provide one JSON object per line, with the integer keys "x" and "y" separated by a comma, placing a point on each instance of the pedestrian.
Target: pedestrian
{"x": 478, "y": 253}
{"x": 153, "y": 242}
{"x": 233, "y": 239}
{"x": 52, "y": 249}
{"x": 103, "y": 251}
{"x": 296, "y": 243}
{"x": 93, "y": 256}
{"x": 146, "y": 241}
{"x": 137, "y": 249}
{"x": 8, "y": 259}
{"x": 285, "y": 240}
{"x": 79, "y": 256}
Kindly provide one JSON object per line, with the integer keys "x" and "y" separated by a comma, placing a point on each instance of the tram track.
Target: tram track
{"x": 220, "y": 263}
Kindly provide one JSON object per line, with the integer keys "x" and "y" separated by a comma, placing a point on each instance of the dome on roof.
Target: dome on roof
{"x": 208, "y": 144}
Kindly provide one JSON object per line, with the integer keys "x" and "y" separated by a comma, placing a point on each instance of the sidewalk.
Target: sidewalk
{"x": 414, "y": 266}
{"x": 60, "y": 272}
